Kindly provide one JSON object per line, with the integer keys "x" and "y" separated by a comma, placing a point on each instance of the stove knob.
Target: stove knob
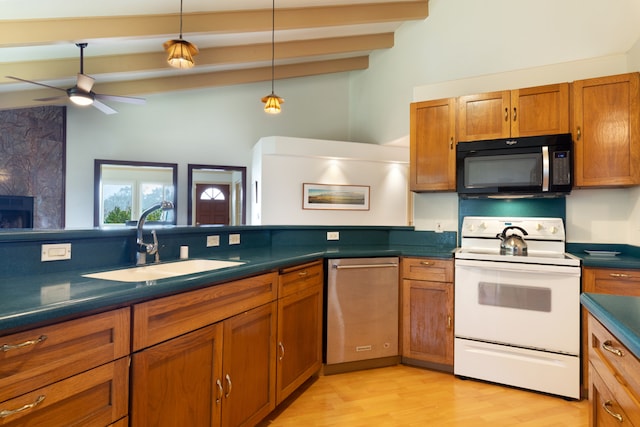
{"x": 554, "y": 229}
{"x": 539, "y": 227}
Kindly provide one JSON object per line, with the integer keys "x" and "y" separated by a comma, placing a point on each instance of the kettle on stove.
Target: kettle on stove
{"x": 513, "y": 244}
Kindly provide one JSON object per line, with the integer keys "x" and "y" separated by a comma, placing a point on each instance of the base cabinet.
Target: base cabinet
{"x": 299, "y": 327}
{"x": 614, "y": 380}
{"x": 220, "y": 375}
{"x": 427, "y": 311}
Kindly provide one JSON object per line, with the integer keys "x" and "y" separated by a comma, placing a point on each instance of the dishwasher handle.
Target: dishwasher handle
{"x": 353, "y": 266}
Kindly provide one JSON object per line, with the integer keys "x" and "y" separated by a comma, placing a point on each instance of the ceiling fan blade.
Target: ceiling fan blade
{"x": 35, "y": 83}
{"x": 85, "y": 83}
{"x": 103, "y": 107}
{"x": 116, "y": 98}
{"x": 52, "y": 98}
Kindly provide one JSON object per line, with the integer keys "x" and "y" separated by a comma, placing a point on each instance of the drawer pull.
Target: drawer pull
{"x": 425, "y": 263}
{"x": 606, "y": 406}
{"x": 7, "y": 347}
{"x": 302, "y": 273}
{"x": 611, "y": 349}
{"x": 620, "y": 275}
{"x": 8, "y": 412}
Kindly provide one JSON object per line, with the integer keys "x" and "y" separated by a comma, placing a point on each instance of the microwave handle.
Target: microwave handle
{"x": 545, "y": 168}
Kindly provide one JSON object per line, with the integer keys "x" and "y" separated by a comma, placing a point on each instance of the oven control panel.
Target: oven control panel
{"x": 536, "y": 228}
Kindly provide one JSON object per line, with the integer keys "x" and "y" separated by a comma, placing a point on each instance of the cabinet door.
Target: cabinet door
{"x": 174, "y": 383}
{"x": 484, "y": 116}
{"x": 542, "y": 110}
{"x": 432, "y": 139}
{"x": 606, "y": 120}
{"x": 249, "y": 369}
{"x": 427, "y": 321}
{"x": 299, "y": 339}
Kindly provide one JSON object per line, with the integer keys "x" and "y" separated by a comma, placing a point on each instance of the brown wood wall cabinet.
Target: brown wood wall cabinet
{"x": 427, "y": 311}
{"x": 614, "y": 385}
{"x": 70, "y": 373}
{"x": 605, "y": 126}
{"x": 432, "y": 146}
{"x": 541, "y": 110}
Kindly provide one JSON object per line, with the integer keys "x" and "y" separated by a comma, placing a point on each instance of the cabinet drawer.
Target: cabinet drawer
{"x": 611, "y": 281}
{"x": 609, "y": 401}
{"x": 164, "y": 318}
{"x": 431, "y": 269}
{"x": 300, "y": 277}
{"x": 607, "y": 354}
{"x": 41, "y": 356}
{"x": 97, "y": 397}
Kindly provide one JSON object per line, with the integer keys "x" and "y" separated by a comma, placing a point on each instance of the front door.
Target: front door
{"x": 212, "y": 204}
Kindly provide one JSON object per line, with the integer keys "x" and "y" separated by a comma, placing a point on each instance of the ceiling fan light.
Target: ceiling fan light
{"x": 80, "y": 98}
{"x": 272, "y": 103}
{"x": 181, "y": 53}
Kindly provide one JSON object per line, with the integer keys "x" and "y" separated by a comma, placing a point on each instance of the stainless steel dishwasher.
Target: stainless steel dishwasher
{"x": 362, "y": 309}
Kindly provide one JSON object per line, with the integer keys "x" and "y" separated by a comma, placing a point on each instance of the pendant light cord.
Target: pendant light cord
{"x": 181, "y": 19}
{"x": 273, "y": 43}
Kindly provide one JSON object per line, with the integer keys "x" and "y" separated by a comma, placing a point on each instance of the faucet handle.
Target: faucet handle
{"x": 155, "y": 245}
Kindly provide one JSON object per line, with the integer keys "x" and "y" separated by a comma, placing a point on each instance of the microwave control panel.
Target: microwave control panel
{"x": 561, "y": 168}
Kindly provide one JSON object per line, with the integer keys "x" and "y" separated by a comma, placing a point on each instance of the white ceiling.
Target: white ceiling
{"x": 125, "y": 37}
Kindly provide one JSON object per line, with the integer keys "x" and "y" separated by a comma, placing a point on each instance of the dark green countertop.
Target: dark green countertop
{"x": 46, "y": 298}
{"x": 627, "y": 256}
{"x": 619, "y": 314}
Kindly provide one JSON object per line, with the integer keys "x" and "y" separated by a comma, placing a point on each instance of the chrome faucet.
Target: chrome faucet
{"x": 142, "y": 248}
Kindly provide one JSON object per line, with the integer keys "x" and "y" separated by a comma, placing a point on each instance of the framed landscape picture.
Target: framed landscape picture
{"x": 335, "y": 197}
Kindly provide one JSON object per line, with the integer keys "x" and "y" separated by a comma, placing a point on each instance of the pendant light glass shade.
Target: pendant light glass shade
{"x": 180, "y": 51}
{"x": 272, "y": 101}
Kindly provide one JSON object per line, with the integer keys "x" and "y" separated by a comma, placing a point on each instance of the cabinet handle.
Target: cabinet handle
{"x": 302, "y": 273}
{"x": 220, "y": 391}
{"x": 425, "y": 262}
{"x": 620, "y": 275}
{"x": 7, "y": 347}
{"x": 607, "y": 345}
{"x": 606, "y": 406}
{"x": 578, "y": 134}
{"x": 515, "y": 114}
{"x": 8, "y": 412}
{"x": 451, "y": 144}
{"x": 449, "y": 322}
{"x": 281, "y": 350}
{"x": 229, "y": 385}
{"x": 506, "y": 114}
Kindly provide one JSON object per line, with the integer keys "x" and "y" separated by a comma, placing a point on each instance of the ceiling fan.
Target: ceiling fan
{"x": 81, "y": 93}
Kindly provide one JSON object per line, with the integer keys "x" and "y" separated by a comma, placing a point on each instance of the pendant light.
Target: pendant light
{"x": 180, "y": 51}
{"x": 272, "y": 102}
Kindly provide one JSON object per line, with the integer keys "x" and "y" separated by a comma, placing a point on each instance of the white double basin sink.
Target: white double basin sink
{"x": 162, "y": 271}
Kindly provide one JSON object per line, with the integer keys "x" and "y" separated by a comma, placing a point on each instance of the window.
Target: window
{"x": 212, "y": 193}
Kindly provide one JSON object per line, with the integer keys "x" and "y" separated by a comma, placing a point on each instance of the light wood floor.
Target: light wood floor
{"x": 407, "y": 396}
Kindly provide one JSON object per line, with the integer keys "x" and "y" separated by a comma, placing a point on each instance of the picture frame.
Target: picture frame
{"x": 335, "y": 197}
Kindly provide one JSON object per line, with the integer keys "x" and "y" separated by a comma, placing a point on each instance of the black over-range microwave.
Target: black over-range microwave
{"x": 528, "y": 166}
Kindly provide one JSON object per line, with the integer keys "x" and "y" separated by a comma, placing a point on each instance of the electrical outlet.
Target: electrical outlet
{"x": 333, "y": 235}
{"x": 55, "y": 252}
{"x": 213, "y": 241}
{"x": 234, "y": 239}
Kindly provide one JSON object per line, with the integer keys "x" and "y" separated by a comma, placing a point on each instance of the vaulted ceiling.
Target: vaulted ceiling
{"x": 125, "y": 55}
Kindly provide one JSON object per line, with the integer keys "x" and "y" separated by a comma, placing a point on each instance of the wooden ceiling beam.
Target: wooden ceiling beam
{"x": 52, "y": 31}
{"x": 57, "y": 69}
{"x": 24, "y": 99}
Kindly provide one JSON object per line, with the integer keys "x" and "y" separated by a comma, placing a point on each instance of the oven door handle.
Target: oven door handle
{"x": 519, "y": 267}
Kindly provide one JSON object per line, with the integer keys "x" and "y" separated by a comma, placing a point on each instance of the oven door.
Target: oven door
{"x": 527, "y": 305}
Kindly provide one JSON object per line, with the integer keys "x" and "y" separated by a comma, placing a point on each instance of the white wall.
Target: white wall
{"x": 282, "y": 165}
{"x": 217, "y": 126}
